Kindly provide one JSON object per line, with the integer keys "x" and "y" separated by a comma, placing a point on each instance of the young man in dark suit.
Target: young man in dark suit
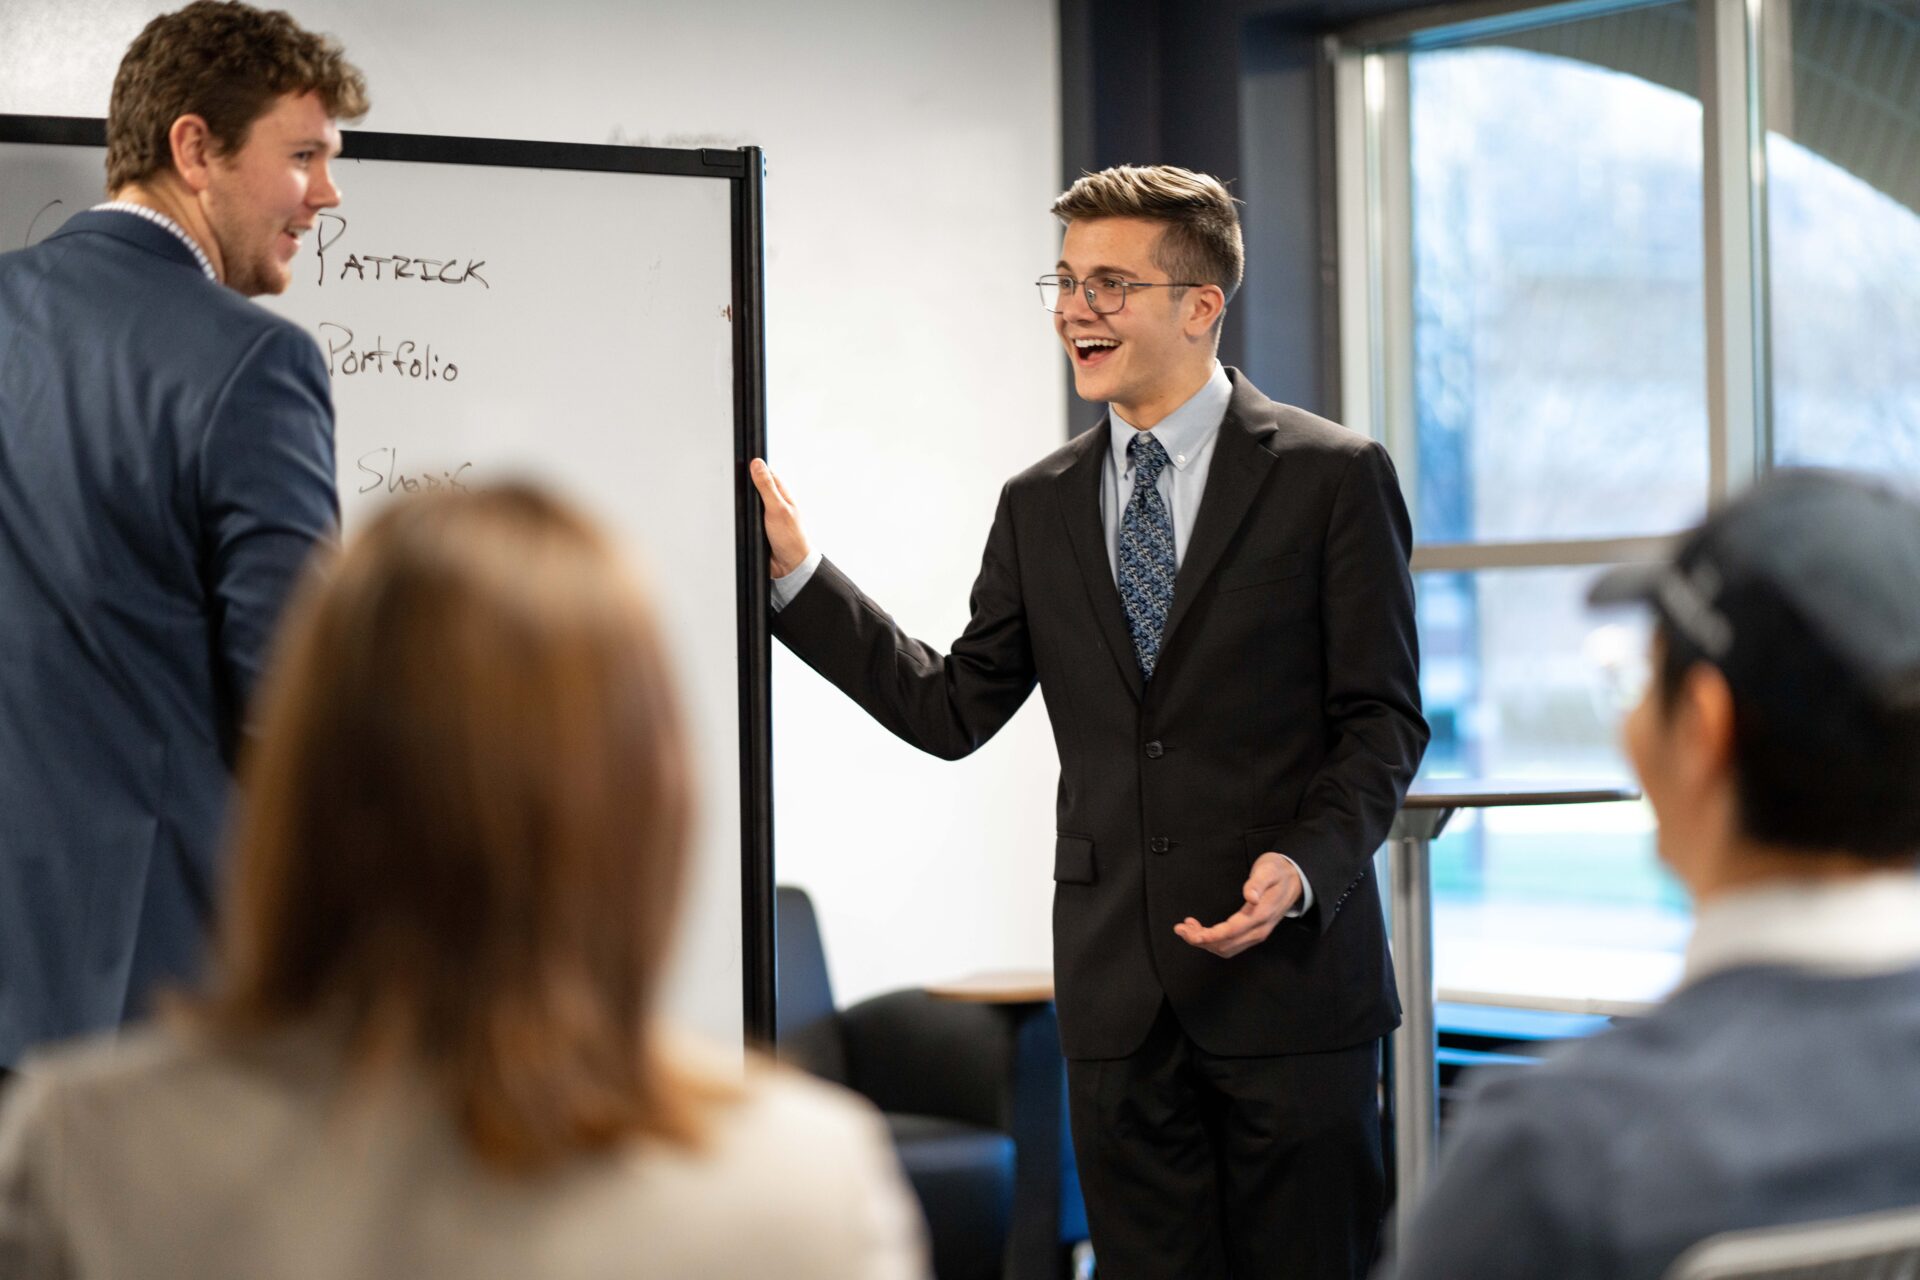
{"x": 166, "y": 464}
{"x": 1212, "y": 591}
{"x": 1779, "y": 745}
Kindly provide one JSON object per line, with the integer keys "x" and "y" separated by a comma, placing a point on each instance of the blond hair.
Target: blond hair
{"x": 1201, "y": 241}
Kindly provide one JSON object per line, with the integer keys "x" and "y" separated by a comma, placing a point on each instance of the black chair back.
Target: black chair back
{"x": 807, "y": 1030}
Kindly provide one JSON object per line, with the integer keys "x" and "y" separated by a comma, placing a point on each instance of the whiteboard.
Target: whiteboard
{"x": 586, "y": 317}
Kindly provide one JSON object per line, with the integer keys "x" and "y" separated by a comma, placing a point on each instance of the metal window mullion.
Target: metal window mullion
{"x": 1356, "y": 254}
{"x": 1739, "y": 418}
{"x": 1390, "y": 162}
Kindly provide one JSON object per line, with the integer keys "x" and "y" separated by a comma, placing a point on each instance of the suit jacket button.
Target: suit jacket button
{"x": 1155, "y": 750}
{"x": 1160, "y": 844}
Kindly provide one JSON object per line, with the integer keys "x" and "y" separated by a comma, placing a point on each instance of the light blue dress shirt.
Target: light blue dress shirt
{"x": 1188, "y": 435}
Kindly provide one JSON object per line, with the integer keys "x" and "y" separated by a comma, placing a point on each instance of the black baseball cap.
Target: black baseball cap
{"x": 1805, "y": 559}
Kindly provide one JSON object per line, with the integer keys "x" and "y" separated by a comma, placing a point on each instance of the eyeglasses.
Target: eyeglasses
{"x": 1619, "y": 668}
{"x": 1105, "y": 294}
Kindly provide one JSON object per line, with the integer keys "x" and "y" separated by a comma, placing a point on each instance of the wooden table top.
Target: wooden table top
{"x": 999, "y": 986}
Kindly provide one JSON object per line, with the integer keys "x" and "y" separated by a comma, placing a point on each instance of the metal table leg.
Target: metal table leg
{"x": 1415, "y": 1081}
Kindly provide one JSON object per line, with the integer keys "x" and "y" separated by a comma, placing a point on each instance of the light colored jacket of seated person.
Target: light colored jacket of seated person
{"x": 430, "y": 1051}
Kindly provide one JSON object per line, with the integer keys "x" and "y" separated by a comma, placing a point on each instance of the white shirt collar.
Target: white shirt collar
{"x": 161, "y": 220}
{"x": 1184, "y": 433}
{"x": 1861, "y": 925}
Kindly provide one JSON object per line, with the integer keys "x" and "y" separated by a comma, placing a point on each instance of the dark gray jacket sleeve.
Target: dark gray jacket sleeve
{"x": 1520, "y": 1192}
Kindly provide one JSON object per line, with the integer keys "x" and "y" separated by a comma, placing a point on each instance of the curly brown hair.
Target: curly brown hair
{"x": 227, "y": 63}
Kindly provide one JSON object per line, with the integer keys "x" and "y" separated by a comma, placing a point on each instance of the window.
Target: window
{"x": 1579, "y": 309}
{"x": 1559, "y": 363}
{"x": 1843, "y": 187}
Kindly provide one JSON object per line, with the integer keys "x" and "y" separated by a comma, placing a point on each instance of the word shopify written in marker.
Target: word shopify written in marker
{"x": 407, "y": 359}
{"x": 380, "y": 469}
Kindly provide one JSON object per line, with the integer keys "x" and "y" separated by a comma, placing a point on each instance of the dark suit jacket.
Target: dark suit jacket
{"x": 1284, "y": 714}
{"x": 166, "y": 464}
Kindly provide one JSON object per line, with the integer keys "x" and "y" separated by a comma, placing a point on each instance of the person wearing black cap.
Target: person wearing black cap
{"x": 1779, "y": 745}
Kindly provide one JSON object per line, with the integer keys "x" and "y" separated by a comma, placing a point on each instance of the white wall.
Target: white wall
{"x": 913, "y": 148}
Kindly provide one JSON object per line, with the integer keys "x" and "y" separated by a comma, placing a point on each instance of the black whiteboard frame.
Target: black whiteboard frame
{"x": 744, "y": 169}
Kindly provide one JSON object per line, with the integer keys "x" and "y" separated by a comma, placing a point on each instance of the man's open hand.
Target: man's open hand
{"x": 786, "y": 541}
{"x": 1272, "y": 887}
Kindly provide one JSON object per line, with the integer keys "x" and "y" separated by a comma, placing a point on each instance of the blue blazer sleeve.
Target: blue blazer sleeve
{"x": 267, "y": 498}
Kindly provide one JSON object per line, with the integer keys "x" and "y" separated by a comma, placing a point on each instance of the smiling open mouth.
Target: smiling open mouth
{"x": 1091, "y": 351}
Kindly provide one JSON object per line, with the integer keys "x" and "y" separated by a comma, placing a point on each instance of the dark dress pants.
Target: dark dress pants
{"x": 1197, "y": 1167}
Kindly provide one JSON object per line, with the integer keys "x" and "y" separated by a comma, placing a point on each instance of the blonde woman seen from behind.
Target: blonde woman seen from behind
{"x": 430, "y": 1051}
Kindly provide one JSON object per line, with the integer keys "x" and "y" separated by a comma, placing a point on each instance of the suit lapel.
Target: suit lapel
{"x": 1240, "y": 467}
{"x": 1079, "y": 490}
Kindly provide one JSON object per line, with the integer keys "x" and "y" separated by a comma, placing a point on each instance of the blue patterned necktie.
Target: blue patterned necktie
{"x": 1146, "y": 552}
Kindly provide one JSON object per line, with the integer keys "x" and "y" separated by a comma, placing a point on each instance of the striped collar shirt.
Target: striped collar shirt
{"x": 161, "y": 220}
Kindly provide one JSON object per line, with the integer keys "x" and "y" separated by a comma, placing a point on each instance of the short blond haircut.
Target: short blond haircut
{"x": 1202, "y": 238}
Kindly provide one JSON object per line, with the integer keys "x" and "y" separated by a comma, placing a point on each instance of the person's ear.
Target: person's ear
{"x": 1705, "y": 722}
{"x": 1203, "y": 305}
{"x": 192, "y": 146}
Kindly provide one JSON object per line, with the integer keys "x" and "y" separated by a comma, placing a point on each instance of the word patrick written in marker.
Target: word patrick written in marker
{"x": 393, "y": 266}
{"x": 380, "y": 469}
{"x": 407, "y": 360}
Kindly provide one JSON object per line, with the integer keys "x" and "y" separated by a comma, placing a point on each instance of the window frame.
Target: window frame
{"x": 1372, "y": 213}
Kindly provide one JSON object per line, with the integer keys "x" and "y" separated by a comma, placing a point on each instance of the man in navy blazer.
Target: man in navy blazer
{"x": 166, "y": 466}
